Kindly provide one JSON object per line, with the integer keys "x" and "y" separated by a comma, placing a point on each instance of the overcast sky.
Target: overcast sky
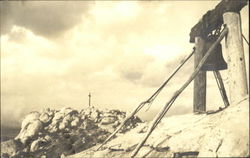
{"x": 54, "y": 53}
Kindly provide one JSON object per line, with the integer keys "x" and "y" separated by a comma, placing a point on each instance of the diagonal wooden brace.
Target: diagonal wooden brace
{"x": 148, "y": 101}
{"x": 178, "y": 92}
{"x": 221, "y": 87}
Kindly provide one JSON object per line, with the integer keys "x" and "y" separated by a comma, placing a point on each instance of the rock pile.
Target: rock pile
{"x": 53, "y": 133}
{"x": 221, "y": 134}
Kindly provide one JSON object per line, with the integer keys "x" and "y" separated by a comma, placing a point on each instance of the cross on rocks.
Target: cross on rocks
{"x": 89, "y": 99}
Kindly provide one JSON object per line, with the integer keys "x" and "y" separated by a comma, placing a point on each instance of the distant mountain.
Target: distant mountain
{"x": 8, "y": 132}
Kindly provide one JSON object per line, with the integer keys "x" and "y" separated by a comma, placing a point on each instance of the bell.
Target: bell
{"x": 215, "y": 60}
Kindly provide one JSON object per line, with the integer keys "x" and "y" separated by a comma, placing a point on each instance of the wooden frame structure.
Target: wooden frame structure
{"x": 211, "y": 21}
{"x": 227, "y": 10}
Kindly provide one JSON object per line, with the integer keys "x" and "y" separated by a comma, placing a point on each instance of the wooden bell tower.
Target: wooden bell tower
{"x": 226, "y": 12}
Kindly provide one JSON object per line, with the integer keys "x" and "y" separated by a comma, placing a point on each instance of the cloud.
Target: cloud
{"x": 132, "y": 75}
{"x": 132, "y": 67}
{"x": 120, "y": 56}
{"x": 48, "y": 19}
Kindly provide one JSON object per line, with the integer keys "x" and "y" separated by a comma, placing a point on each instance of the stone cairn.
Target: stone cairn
{"x": 53, "y": 133}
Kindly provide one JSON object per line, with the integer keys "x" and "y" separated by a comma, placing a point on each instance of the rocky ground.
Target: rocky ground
{"x": 72, "y": 134}
{"x": 55, "y": 134}
{"x": 222, "y": 134}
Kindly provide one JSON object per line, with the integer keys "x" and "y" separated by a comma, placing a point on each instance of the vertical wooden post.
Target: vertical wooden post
{"x": 236, "y": 61}
{"x": 199, "y": 98}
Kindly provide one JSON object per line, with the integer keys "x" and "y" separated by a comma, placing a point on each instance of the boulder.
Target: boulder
{"x": 39, "y": 144}
{"x": 34, "y": 146}
{"x": 57, "y": 116}
{"x": 29, "y": 131}
{"x": 108, "y": 120}
{"x": 94, "y": 114}
{"x": 75, "y": 122}
{"x": 62, "y": 126}
{"x": 30, "y": 118}
{"x": 49, "y": 111}
{"x": 45, "y": 118}
{"x": 52, "y": 128}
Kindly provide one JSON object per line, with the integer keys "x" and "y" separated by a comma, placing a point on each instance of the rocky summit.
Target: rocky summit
{"x": 221, "y": 134}
{"x": 57, "y": 133}
{"x": 72, "y": 134}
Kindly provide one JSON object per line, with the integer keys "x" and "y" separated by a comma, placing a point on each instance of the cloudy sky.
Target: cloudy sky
{"x": 54, "y": 53}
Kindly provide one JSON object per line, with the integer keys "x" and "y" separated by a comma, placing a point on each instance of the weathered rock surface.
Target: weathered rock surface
{"x": 59, "y": 133}
{"x": 222, "y": 134}
{"x": 72, "y": 134}
{"x": 10, "y": 148}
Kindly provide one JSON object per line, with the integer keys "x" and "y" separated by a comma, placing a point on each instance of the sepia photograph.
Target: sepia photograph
{"x": 124, "y": 78}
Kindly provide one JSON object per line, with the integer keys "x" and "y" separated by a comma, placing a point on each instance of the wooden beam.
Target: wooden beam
{"x": 235, "y": 54}
{"x": 221, "y": 87}
{"x": 165, "y": 109}
{"x": 199, "y": 93}
{"x": 149, "y": 100}
{"x": 213, "y": 18}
